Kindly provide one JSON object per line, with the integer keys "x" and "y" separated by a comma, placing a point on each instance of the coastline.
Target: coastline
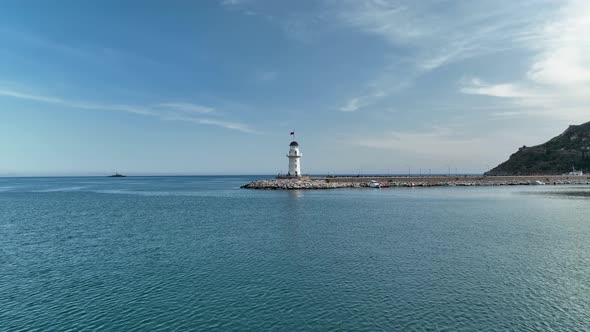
{"x": 322, "y": 183}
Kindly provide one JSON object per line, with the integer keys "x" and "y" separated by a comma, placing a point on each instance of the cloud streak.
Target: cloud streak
{"x": 188, "y": 108}
{"x": 557, "y": 81}
{"x": 508, "y": 90}
{"x": 435, "y": 33}
{"x": 75, "y": 104}
{"x": 356, "y": 103}
{"x": 437, "y": 39}
{"x": 164, "y": 111}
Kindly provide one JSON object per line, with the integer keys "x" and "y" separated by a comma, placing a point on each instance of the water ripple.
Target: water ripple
{"x": 180, "y": 258}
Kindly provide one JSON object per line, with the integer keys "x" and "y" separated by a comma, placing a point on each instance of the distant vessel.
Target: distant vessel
{"x": 117, "y": 175}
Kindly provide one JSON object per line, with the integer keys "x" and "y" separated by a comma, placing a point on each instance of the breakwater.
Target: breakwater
{"x": 317, "y": 183}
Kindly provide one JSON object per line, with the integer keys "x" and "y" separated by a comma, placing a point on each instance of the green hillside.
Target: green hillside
{"x": 557, "y": 156}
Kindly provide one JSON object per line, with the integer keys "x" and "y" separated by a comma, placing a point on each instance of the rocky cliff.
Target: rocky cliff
{"x": 557, "y": 156}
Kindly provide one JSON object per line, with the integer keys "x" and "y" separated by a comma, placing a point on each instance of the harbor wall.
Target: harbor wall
{"x": 412, "y": 181}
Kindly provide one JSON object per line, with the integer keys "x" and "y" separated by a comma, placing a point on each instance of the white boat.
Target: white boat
{"x": 575, "y": 173}
{"x": 539, "y": 183}
{"x": 374, "y": 184}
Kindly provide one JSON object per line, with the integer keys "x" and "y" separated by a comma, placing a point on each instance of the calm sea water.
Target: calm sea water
{"x": 198, "y": 253}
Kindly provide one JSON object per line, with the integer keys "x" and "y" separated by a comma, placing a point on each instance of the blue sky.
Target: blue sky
{"x": 215, "y": 87}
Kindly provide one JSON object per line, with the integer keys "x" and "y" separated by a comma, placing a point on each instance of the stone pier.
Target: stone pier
{"x": 316, "y": 183}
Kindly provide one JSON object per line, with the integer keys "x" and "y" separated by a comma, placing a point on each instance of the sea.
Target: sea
{"x": 201, "y": 254}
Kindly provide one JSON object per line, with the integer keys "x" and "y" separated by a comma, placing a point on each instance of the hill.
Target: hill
{"x": 557, "y": 156}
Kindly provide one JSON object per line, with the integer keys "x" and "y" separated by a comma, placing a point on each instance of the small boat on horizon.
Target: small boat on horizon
{"x": 117, "y": 175}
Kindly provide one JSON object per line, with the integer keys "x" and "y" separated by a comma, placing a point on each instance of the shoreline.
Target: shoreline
{"x": 322, "y": 183}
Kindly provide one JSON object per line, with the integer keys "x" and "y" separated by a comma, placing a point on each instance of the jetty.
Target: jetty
{"x": 339, "y": 182}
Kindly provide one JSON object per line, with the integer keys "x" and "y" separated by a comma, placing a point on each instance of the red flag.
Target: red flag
{"x": 292, "y": 133}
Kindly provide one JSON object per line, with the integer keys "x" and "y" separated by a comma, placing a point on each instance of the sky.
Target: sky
{"x": 216, "y": 86}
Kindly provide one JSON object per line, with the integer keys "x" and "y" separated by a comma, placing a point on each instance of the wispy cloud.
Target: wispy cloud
{"x": 93, "y": 53}
{"x": 164, "y": 111}
{"x": 558, "y": 79}
{"x": 268, "y": 76}
{"x": 232, "y": 2}
{"x": 22, "y": 95}
{"x": 436, "y": 39}
{"x": 188, "y": 108}
{"x": 213, "y": 122}
{"x": 506, "y": 114}
{"x": 357, "y": 103}
{"x": 390, "y": 81}
{"x": 508, "y": 90}
{"x": 563, "y": 58}
{"x": 436, "y": 33}
{"x": 75, "y": 104}
{"x": 352, "y": 105}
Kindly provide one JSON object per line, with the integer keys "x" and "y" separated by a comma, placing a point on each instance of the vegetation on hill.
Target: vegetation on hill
{"x": 557, "y": 156}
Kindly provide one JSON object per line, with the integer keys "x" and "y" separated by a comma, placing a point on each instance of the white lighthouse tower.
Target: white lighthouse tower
{"x": 294, "y": 159}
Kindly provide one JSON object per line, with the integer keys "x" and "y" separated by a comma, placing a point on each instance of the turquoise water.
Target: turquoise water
{"x": 198, "y": 253}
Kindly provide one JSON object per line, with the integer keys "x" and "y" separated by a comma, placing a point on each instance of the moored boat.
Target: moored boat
{"x": 374, "y": 184}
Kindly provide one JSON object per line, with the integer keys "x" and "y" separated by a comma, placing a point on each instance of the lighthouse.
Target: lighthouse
{"x": 294, "y": 159}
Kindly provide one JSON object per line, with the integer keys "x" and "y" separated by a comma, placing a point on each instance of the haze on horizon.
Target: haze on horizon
{"x": 215, "y": 87}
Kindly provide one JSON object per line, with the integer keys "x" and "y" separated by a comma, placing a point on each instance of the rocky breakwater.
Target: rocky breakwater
{"x": 435, "y": 181}
{"x": 294, "y": 184}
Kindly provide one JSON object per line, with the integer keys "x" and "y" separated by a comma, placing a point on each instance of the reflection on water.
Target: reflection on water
{"x": 561, "y": 192}
{"x": 296, "y": 194}
{"x": 573, "y": 193}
